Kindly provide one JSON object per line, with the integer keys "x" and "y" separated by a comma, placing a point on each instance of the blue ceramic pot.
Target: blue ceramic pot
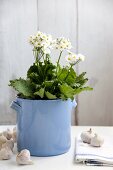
{"x": 43, "y": 126}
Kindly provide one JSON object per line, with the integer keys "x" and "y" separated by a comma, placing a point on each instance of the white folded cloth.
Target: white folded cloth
{"x": 99, "y": 156}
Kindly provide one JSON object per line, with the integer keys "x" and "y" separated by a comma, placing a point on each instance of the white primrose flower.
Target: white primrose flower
{"x": 62, "y": 44}
{"x": 47, "y": 38}
{"x": 31, "y": 39}
{"x": 71, "y": 58}
{"x": 41, "y": 40}
{"x": 37, "y": 44}
{"x": 81, "y": 57}
{"x": 39, "y": 34}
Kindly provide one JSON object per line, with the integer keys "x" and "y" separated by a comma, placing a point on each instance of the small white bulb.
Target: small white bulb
{"x": 8, "y": 134}
{"x": 86, "y": 136}
{"x": 23, "y": 158}
{"x": 5, "y": 153}
{"x": 9, "y": 144}
{"x": 3, "y": 140}
{"x": 97, "y": 141}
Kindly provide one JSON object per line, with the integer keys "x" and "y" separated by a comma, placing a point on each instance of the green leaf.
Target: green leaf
{"x": 48, "y": 83}
{"x": 49, "y": 95}
{"x": 34, "y": 77}
{"x": 80, "y": 77}
{"x": 70, "y": 80}
{"x": 32, "y": 69}
{"x": 40, "y": 92}
{"x": 66, "y": 75}
{"x": 83, "y": 81}
{"x": 79, "y": 90}
{"x": 35, "y": 74}
{"x": 67, "y": 91}
{"x": 62, "y": 74}
{"x": 41, "y": 72}
{"x": 59, "y": 70}
{"x": 48, "y": 71}
{"x": 24, "y": 87}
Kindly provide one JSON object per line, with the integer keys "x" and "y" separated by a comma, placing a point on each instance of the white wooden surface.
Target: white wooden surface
{"x": 95, "y": 26}
{"x": 18, "y": 20}
{"x": 88, "y": 24}
{"x": 61, "y": 162}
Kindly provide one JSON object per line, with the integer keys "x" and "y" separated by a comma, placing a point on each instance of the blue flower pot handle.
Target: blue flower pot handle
{"x": 14, "y": 105}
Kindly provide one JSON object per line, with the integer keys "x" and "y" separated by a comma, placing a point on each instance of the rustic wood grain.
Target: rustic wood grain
{"x": 18, "y": 20}
{"x": 95, "y": 27}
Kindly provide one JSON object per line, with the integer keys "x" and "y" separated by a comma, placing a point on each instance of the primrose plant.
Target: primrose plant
{"x": 45, "y": 80}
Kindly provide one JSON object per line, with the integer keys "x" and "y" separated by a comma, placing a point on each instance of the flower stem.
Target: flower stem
{"x": 59, "y": 57}
{"x": 68, "y": 72}
{"x": 58, "y": 61}
{"x": 77, "y": 62}
{"x": 42, "y": 54}
{"x": 36, "y": 55}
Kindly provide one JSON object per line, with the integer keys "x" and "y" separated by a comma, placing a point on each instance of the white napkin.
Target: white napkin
{"x": 101, "y": 156}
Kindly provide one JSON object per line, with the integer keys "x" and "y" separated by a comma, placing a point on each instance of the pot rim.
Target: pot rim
{"x": 48, "y": 100}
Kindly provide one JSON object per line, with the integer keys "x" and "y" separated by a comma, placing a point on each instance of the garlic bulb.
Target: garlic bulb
{"x": 5, "y": 153}
{"x": 9, "y": 144}
{"x": 23, "y": 158}
{"x": 86, "y": 136}
{"x": 3, "y": 140}
{"x": 97, "y": 141}
{"x": 8, "y": 134}
{"x": 14, "y": 135}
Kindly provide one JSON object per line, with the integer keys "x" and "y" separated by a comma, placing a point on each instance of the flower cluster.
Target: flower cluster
{"x": 73, "y": 58}
{"x": 41, "y": 41}
{"x": 62, "y": 44}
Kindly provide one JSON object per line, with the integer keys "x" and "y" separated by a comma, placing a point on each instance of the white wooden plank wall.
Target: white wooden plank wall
{"x": 95, "y": 25}
{"x": 88, "y": 24}
{"x": 18, "y": 19}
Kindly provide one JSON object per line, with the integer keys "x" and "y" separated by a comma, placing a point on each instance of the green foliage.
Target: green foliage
{"x": 67, "y": 91}
{"x": 40, "y": 72}
{"x": 67, "y": 75}
{"x": 50, "y": 96}
{"x": 40, "y": 92}
{"x": 24, "y": 87}
{"x": 48, "y": 81}
{"x": 79, "y": 90}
